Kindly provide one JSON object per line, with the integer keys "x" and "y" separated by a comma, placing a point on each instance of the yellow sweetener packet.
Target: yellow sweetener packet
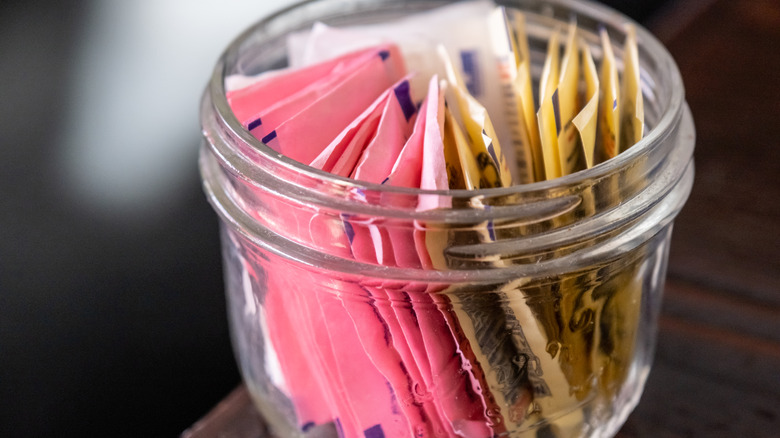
{"x": 632, "y": 116}
{"x": 586, "y": 120}
{"x": 519, "y": 152}
{"x": 569, "y": 146}
{"x": 458, "y": 155}
{"x": 523, "y": 92}
{"x": 621, "y": 303}
{"x": 479, "y": 130}
{"x": 569, "y": 75}
{"x": 548, "y": 96}
{"x": 462, "y": 170}
{"x": 531, "y": 304}
{"x": 609, "y": 104}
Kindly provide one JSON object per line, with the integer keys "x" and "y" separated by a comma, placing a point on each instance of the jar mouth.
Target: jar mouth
{"x": 651, "y": 51}
{"x": 542, "y": 227}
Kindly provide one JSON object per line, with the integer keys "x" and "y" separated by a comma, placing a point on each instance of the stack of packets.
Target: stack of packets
{"x": 440, "y": 100}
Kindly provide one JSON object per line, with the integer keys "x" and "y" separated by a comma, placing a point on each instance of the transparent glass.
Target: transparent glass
{"x": 544, "y": 329}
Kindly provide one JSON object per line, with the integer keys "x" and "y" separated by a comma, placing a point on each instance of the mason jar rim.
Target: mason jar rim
{"x": 668, "y": 73}
{"x": 231, "y": 155}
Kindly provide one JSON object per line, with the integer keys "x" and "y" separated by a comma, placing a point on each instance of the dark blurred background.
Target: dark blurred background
{"x": 112, "y": 316}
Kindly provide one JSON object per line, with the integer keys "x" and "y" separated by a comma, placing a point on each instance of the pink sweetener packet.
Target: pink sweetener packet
{"x": 298, "y": 222}
{"x": 317, "y": 329}
{"x": 293, "y": 327}
{"x": 372, "y": 242}
{"x": 271, "y": 88}
{"x": 434, "y": 168}
{"x": 297, "y": 331}
{"x": 367, "y": 389}
{"x": 345, "y": 416}
{"x": 455, "y": 387}
{"x": 393, "y": 306}
{"x": 367, "y": 240}
{"x": 357, "y": 396}
{"x": 376, "y": 162}
{"x": 395, "y": 127}
{"x": 434, "y": 165}
{"x": 270, "y": 117}
{"x": 407, "y": 314}
{"x": 312, "y": 329}
{"x": 302, "y": 223}
{"x": 323, "y": 338}
{"x": 369, "y": 318}
{"x": 406, "y": 172}
{"x": 351, "y": 350}
{"x": 432, "y": 344}
{"x": 305, "y": 384}
{"x": 303, "y": 136}
{"x": 448, "y": 380}
{"x": 347, "y": 148}
{"x": 392, "y": 118}
{"x": 371, "y": 397}
{"x": 474, "y": 426}
{"x": 368, "y": 146}
{"x": 340, "y": 157}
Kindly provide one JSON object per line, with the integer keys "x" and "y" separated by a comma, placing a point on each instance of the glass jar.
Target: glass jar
{"x": 544, "y": 328}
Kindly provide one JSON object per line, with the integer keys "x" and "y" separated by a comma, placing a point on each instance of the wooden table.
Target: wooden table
{"x": 717, "y": 366}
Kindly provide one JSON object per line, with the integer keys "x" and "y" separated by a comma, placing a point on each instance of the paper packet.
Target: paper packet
{"x": 549, "y": 125}
{"x": 609, "y": 102}
{"x": 523, "y": 92}
{"x": 570, "y": 150}
{"x": 587, "y": 119}
{"x": 632, "y": 116}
